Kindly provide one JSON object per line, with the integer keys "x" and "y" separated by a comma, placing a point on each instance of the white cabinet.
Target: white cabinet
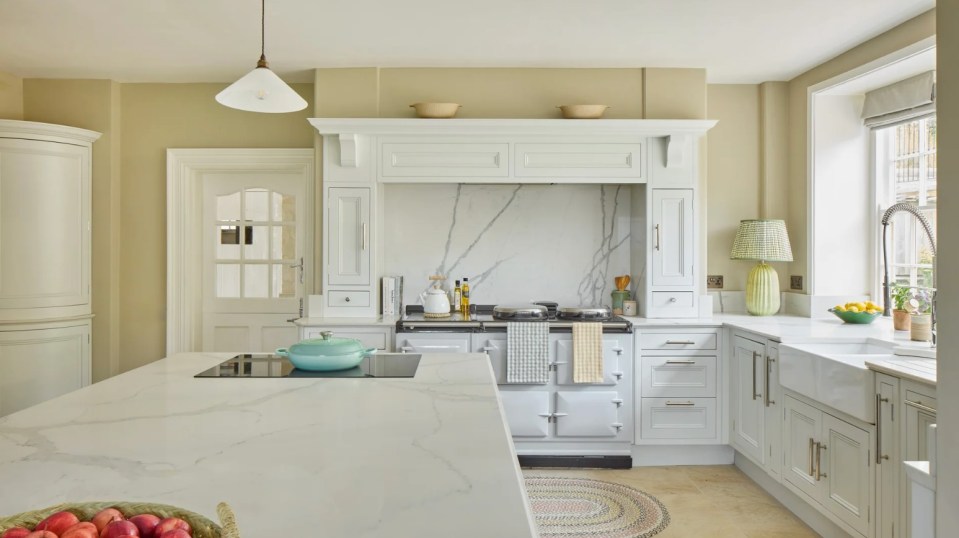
{"x": 672, "y": 237}
{"x": 887, "y": 456}
{"x": 828, "y": 460}
{"x": 43, "y": 363}
{"x": 773, "y": 416}
{"x": 433, "y": 343}
{"x": 377, "y": 337}
{"x": 432, "y": 160}
{"x": 677, "y": 387}
{"x": 582, "y": 159}
{"x": 747, "y": 404}
{"x": 918, "y": 413}
{"x": 349, "y": 237}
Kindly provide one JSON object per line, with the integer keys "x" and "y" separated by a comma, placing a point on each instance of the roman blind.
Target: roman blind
{"x": 902, "y": 101}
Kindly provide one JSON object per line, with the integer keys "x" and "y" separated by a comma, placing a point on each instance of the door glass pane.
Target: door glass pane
{"x": 284, "y": 280}
{"x": 284, "y": 243}
{"x": 228, "y": 206}
{"x": 256, "y": 243}
{"x": 228, "y": 242}
{"x": 227, "y": 280}
{"x": 256, "y": 280}
{"x": 284, "y": 207}
{"x": 257, "y": 204}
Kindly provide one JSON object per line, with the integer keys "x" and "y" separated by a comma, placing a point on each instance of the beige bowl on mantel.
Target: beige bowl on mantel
{"x": 583, "y": 112}
{"x": 436, "y": 110}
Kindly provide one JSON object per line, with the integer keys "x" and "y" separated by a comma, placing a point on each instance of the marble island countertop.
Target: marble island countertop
{"x": 426, "y": 457}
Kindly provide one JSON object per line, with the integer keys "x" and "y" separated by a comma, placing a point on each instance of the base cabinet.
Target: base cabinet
{"x": 747, "y": 401}
{"x": 828, "y": 460}
{"x": 41, "y": 364}
{"x": 918, "y": 413}
{"x": 887, "y": 457}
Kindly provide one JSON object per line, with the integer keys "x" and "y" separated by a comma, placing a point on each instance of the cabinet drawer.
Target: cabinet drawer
{"x": 443, "y": 159}
{"x": 665, "y": 301}
{"x": 682, "y": 377}
{"x": 349, "y": 298}
{"x": 579, "y": 160}
{"x": 678, "y": 418}
{"x": 678, "y": 341}
{"x": 374, "y": 338}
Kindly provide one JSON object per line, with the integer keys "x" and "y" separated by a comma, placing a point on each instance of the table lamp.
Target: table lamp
{"x": 764, "y": 240}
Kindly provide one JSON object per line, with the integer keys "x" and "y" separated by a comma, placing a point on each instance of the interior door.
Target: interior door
{"x": 254, "y": 253}
{"x": 748, "y": 407}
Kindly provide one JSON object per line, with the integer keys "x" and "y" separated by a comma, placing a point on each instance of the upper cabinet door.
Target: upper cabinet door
{"x": 580, "y": 160}
{"x": 427, "y": 161}
{"x": 672, "y": 237}
{"x": 349, "y": 236}
{"x": 44, "y": 224}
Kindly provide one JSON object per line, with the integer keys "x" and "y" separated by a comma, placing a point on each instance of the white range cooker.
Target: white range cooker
{"x": 558, "y": 423}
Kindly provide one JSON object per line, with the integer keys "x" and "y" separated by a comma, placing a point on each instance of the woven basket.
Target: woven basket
{"x": 202, "y": 527}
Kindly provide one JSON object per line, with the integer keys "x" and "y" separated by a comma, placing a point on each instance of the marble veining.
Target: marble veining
{"x": 427, "y": 456}
{"x": 516, "y": 243}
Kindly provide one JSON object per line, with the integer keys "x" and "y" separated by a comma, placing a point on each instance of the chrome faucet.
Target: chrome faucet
{"x": 913, "y": 210}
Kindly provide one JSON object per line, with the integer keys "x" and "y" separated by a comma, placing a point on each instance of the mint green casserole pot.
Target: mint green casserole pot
{"x": 326, "y": 354}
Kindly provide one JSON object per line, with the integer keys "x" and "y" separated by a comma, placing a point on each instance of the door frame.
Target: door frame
{"x": 185, "y": 170}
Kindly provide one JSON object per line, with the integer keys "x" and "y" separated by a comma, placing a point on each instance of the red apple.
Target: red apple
{"x": 175, "y": 533}
{"x": 84, "y": 529}
{"x": 120, "y": 527}
{"x": 57, "y": 523}
{"x": 15, "y": 532}
{"x": 146, "y": 523}
{"x": 105, "y": 516}
{"x": 41, "y": 534}
{"x": 170, "y": 524}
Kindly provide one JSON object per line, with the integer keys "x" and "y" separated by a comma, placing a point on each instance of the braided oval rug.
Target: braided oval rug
{"x": 586, "y": 508}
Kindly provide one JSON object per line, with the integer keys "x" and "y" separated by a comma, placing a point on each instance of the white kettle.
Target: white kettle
{"x": 436, "y": 303}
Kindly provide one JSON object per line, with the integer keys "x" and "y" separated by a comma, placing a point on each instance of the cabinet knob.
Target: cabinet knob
{"x": 347, "y": 299}
{"x": 672, "y": 299}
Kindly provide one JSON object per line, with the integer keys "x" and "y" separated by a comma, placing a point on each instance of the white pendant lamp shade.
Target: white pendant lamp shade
{"x": 261, "y": 90}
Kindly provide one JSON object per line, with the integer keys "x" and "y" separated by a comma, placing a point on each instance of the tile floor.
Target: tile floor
{"x": 716, "y": 501}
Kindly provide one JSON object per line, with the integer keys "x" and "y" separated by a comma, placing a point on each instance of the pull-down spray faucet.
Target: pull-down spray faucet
{"x": 913, "y": 210}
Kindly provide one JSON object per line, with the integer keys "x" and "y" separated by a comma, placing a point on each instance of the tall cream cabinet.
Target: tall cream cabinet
{"x": 45, "y": 245}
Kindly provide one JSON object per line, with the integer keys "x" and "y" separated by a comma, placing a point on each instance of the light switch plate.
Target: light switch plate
{"x": 714, "y": 282}
{"x": 795, "y": 282}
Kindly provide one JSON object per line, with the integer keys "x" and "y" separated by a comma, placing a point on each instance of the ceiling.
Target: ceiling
{"x": 737, "y": 41}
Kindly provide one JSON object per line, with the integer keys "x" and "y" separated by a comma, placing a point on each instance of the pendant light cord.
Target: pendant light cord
{"x": 262, "y": 62}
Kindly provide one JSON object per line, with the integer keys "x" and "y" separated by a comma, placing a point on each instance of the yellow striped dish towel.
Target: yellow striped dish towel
{"x": 587, "y": 353}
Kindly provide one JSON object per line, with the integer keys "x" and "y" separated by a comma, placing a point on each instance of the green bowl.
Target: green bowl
{"x": 861, "y": 318}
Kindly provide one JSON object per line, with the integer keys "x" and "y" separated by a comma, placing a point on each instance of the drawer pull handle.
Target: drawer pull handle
{"x": 919, "y": 406}
{"x": 679, "y": 342}
{"x": 672, "y": 299}
{"x": 680, "y": 404}
{"x": 676, "y": 361}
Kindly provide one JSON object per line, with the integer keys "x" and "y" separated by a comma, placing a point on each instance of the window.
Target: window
{"x": 906, "y": 172}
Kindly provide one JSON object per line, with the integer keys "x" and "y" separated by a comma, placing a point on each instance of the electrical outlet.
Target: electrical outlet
{"x": 795, "y": 282}
{"x": 714, "y": 282}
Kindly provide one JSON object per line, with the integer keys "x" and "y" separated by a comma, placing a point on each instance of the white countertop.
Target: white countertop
{"x": 425, "y": 457}
{"x": 914, "y": 368}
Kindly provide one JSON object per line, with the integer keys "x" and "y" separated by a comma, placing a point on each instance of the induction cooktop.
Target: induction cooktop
{"x": 265, "y": 365}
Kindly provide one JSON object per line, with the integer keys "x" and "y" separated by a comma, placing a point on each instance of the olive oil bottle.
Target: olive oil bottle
{"x": 465, "y": 298}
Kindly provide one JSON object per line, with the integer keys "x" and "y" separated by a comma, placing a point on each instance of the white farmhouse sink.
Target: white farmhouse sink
{"x": 834, "y": 374}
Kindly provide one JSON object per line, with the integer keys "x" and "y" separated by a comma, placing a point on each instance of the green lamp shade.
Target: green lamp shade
{"x": 763, "y": 240}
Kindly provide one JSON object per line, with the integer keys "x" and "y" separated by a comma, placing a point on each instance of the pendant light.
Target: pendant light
{"x": 261, "y": 90}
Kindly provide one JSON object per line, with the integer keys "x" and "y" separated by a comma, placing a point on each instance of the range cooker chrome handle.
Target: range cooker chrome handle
{"x": 406, "y": 349}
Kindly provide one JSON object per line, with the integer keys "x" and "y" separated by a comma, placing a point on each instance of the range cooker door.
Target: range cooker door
{"x": 433, "y": 343}
{"x": 527, "y": 412}
{"x": 615, "y": 349}
{"x": 588, "y": 414}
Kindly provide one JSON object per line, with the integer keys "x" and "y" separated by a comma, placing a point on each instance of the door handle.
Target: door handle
{"x": 300, "y": 267}
{"x": 879, "y": 455}
{"x": 769, "y": 362}
{"x": 919, "y": 406}
{"x": 363, "y": 237}
{"x": 819, "y": 474}
{"x": 812, "y": 465}
{"x": 657, "y": 237}
{"x": 755, "y": 356}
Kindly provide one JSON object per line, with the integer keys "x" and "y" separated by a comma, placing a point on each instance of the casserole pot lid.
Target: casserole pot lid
{"x": 327, "y": 345}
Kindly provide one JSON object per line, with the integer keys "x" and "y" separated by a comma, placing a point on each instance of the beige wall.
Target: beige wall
{"x": 909, "y": 32}
{"x": 11, "y": 97}
{"x": 733, "y": 176}
{"x": 156, "y": 117}
{"x": 92, "y": 104}
{"x": 947, "y": 76}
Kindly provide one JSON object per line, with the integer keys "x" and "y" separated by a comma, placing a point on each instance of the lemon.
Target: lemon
{"x": 853, "y": 308}
{"x": 872, "y": 311}
{"x": 872, "y": 305}
{"x": 839, "y": 308}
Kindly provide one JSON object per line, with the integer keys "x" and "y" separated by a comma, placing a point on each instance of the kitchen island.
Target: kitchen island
{"x": 427, "y": 456}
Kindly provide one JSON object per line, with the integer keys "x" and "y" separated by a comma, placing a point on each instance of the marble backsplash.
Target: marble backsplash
{"x": 516, "y": 243}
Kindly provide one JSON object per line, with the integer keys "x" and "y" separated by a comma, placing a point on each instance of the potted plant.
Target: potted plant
{"x": 900, "y": 300}
{"x": 920, "y": 317}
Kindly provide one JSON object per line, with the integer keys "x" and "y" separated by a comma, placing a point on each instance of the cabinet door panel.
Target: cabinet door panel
{"x": 747, "y": 404}
{"x": 44, "y": 225}
{"x": 443, "y": 159}
{"x": 678, "y": 418}
{"x": 527, "y": 412}
{"x": 579, "y": 160}
{"x": 673, "y": 237}
{"x": 803, "y": 426}
{"x": 845, "y": 461}
{"x": 679, "y": 376}
{"x": 772, "y": 433}
{"x": 38, "y": 365}
{"x": 614, "y": 351}
{"x": 349, "y": 235}
{"x": 587, "y": 414}
{"x": 887, "y": 452}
